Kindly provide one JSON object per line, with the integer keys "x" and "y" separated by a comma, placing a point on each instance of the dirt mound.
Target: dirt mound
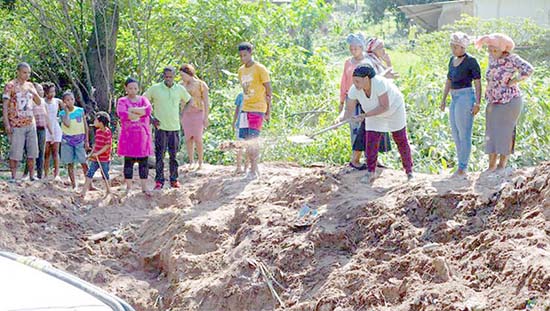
{"x": 224, "y": 243}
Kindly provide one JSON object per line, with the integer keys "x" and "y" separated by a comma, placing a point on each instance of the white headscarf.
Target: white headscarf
{"x": 460, "y": 38}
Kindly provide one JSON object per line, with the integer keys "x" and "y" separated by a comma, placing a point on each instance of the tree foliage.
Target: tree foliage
{"x": 303, "y": 46}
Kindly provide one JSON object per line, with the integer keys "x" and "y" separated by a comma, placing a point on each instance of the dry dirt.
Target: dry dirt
{"x": 221, "y": 243}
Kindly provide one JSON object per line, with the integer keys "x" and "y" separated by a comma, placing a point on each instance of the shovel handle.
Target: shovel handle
{"x": 335, "y": 126}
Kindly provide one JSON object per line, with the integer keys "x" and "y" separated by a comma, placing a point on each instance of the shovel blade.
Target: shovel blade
{"x": 300, "y": 139}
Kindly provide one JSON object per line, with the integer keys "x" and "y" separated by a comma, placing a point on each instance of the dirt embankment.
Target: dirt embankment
{"x": 222, "y": 243}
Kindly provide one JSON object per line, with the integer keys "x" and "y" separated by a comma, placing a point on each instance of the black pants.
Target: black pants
{"x": 166, "y": 140}
{"x": 41, "y": 137}
{"x": 142, "y": 165}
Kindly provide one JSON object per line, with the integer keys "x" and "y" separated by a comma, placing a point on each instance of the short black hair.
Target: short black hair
{"x": 169, "y": 69}
{"x": 103, "y": 117}
{"x": 364, "y": 71}
{"x": 246, "y": 46}
{"x": 23, "y": 65}
{"x": 130, "y": 80}
{"x": 47, "y": 86}
{"x": 67, "y": 93}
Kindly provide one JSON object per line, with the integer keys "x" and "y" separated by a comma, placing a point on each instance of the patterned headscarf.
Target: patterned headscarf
{"x": 356, "y": 39}
{"x": 460, "y": 38}
{"x": 373, "y": 44}
{"x": 502, "y": 41}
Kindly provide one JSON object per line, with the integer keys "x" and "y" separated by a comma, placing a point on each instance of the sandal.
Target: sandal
{"x": 359, "y": 168}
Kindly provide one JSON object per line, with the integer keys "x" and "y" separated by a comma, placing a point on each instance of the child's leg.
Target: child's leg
{"x": 55, "y": 152}
{"x": 47, "y": 151}
{"x": 89, "y": 175}
{"x": 189, "y": 147}
{"x": 86, "y": 186}
{"x": 70, "y": 169}
{"x": 200, "y": 150}
{"x": 84, "y": 168}
{"x": 104, "y": 166}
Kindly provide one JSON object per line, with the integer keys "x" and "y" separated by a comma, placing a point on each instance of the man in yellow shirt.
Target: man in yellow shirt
{"x": 254, "y": 79}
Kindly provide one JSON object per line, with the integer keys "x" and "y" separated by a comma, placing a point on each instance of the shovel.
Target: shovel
{"x": 305, "y": 139}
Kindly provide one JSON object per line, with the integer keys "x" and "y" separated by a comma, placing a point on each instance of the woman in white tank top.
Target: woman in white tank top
{"x": 53, "y": 140}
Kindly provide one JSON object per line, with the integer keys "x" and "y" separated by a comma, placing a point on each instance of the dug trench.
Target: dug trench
{"x": 224, "y": 243}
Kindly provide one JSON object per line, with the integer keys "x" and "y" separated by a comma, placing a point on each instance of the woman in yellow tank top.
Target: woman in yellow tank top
{"x": 195, "y": 114}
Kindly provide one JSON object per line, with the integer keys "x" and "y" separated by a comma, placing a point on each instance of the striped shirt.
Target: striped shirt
{"x": 102, "y": 138}
{"x": 40, "y": 114}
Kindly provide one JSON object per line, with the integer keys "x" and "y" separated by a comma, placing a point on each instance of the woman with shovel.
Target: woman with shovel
{"x": 384, "y": 108}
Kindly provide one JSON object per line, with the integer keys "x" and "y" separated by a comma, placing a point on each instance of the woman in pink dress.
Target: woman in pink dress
{"x": 135, "y": 142}
{"x": 195, "y": 114}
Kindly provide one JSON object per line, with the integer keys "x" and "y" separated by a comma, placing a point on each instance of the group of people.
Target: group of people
{"x": 41, "y": 127}
{"x": 369, "y": 96}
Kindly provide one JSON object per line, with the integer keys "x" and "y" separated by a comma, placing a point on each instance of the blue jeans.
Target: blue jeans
{"x": 94, "y": 166}
{"x": 462, "y": 121}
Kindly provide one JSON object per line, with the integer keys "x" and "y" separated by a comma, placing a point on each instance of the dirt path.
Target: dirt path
{"x": 435, "y": 243}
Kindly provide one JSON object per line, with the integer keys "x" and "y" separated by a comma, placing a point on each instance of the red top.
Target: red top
{"x": 102, "y": 138}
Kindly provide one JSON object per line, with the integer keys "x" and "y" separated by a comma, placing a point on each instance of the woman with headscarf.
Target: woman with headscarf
{"x": 356, "y": 47}
{"x": 463, "y": 69}
{"x": 379, "y": 59}
{"x": 384, "y": 105}
{"x": 504, "y": 102}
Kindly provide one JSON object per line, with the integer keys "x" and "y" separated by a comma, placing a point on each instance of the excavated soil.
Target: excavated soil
{"x": 224, "y": 243}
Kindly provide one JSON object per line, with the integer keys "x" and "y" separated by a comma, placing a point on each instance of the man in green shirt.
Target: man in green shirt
{"x": 168, "y": 99}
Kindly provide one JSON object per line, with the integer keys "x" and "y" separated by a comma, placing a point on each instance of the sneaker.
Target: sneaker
{"x": 368, "y": 178}
{"x": 12, "y": 181}
{"x": 410, "y": 176}
{"x": 158, "y": 185}
{"x": 175, "y": 184}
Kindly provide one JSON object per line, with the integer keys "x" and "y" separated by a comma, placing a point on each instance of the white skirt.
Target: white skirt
{"x": 55, "y": 137}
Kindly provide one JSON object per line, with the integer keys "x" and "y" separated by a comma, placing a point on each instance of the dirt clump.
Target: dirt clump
{"x": 225, "y": 243}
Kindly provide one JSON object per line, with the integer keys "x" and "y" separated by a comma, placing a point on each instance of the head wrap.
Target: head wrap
{"x": 373, "y": 44}
{"x": 501, "y": 41}
{"x": 460, "y": 38}
{"x": 356, "y": 39}
{"x": 364, "y": 71}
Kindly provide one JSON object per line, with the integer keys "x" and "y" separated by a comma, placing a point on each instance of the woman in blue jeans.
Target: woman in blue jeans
{"x": 463, "y": 69}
